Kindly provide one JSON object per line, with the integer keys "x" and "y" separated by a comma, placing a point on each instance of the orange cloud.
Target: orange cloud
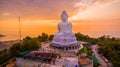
{"x": 96, "y": 9}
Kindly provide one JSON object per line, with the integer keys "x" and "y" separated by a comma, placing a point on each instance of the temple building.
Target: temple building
{"x": 61, "y": 52}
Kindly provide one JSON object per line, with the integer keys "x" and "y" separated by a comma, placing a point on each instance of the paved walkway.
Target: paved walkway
{"x": 102, "y": 62}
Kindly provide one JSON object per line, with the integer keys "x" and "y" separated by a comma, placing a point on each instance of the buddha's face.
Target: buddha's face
{"x": 64, "y": 16}
{"x": 64, "y": 19}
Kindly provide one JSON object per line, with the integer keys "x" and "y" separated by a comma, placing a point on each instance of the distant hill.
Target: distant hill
{"x": 2, "y": 35}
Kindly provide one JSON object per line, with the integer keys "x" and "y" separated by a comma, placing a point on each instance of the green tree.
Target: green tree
{"x": 43, "y": 37}
{"x": 31, "y": 44}
{"x": 111, "y": 50}
{"x": 27, "y": 38}
{"x": 86, "y": 38}
{"x": 15, "y": 49}
{"x": 50, "y": 38}
{"x": 27, "y": 44}
{"x": 83, "y": 50}
{"x": 102, "y": 38}
{"x": 3, "y": 53}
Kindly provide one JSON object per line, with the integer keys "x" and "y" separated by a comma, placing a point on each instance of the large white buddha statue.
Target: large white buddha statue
{"x": 64, "y": 35}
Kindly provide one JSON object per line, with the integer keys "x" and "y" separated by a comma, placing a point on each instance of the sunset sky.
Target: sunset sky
{"x": 91, "y": 17}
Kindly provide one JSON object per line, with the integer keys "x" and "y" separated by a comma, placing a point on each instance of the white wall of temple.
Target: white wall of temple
{"x": 26, "y": 63}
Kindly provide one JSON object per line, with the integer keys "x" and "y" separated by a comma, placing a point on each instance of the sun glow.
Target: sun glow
{"x": 91, "y": 17}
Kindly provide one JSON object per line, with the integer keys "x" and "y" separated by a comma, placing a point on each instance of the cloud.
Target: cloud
{"x": 38, "y": 8}
{"x": 87, "y": 6}
{"x": 47, "y": 9}
{"x": 6, "y": 14}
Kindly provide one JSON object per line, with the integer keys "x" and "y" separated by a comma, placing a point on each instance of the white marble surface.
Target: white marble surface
{"x": 70, "y": 62}
{"x": 64, "y": 35}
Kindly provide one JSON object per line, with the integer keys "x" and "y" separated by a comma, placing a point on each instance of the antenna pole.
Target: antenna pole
{"x": 19, "y": 27}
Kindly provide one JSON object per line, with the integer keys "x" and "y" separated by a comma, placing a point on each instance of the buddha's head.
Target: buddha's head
{"x": 64, "y": 16}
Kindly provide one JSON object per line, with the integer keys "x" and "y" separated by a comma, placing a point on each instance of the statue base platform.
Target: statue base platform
{"x": 65, "y": 47}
